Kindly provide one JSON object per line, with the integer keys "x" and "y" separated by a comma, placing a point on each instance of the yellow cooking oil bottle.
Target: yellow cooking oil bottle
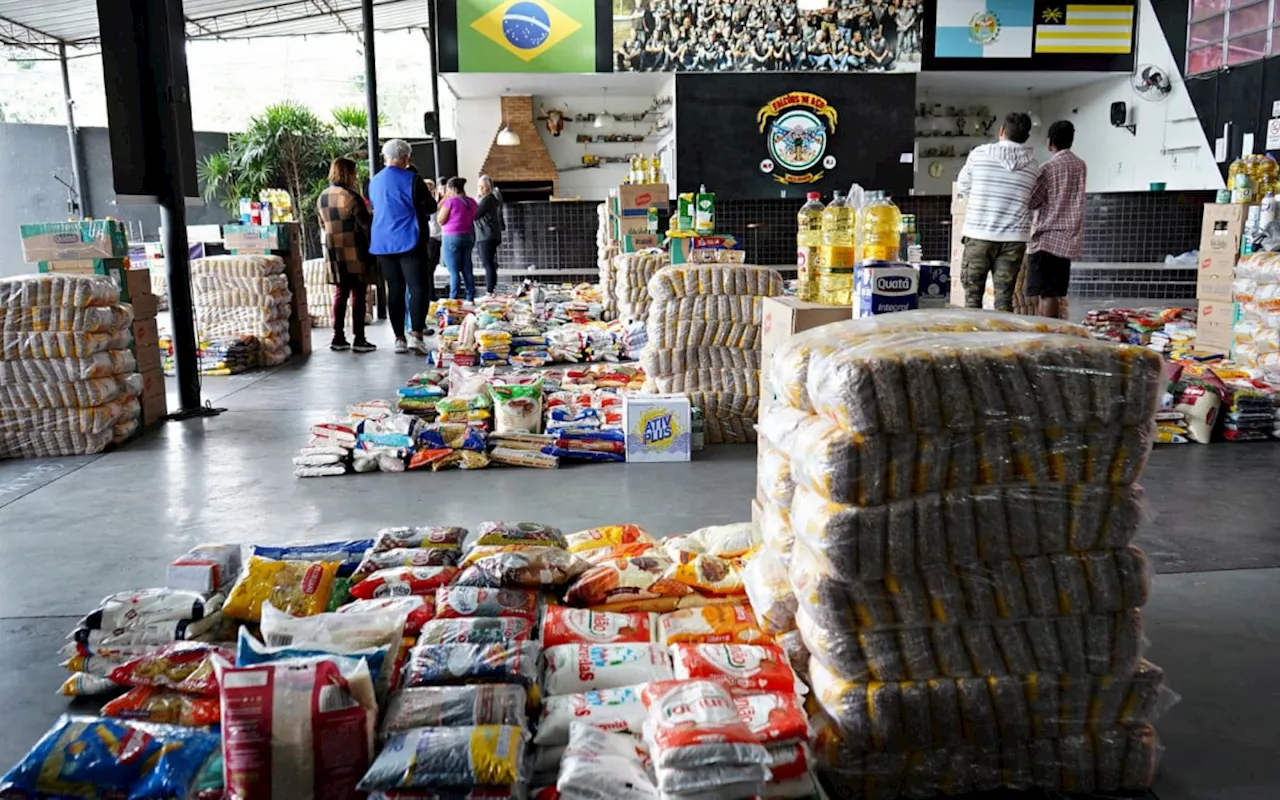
{"x": 808, "y": 244}
{"x": 881, "y": 228}
{"x": 838, "y": 255}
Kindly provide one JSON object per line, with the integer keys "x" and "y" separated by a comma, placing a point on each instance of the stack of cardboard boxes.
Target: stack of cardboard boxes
{"x": 628, "y": 215}
{"x": 281, "y": 239}
{"x": 101, "y": 247}
{"x": 1221, "y": 235}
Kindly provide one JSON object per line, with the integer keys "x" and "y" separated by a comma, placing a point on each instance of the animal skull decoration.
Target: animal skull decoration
{"x": 554, "y": 119}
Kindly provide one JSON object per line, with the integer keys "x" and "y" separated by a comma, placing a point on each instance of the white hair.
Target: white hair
{"x": 396, "y": 149}
{"x": 486, "y": 179}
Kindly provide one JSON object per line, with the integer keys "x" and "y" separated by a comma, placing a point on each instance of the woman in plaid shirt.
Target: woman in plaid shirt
{"x": 345, "y": 222}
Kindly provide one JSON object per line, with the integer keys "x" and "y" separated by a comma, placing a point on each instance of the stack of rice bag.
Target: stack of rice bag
{"x": 587, "y": 425}
{"x": 229, "y": 355}
{"x": 315, "y": 274}
{"x": 68, "y": 380}
{"x": 954, "y": 514}
{"x": 605, "y": 253}
{"x": 420, "y": 394}
{"x": 632, "y": 272}
{"x": 704, "y": 341}
{"x": 244, "y": 295}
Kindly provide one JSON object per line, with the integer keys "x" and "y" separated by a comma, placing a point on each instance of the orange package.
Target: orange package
{"x": 181, "y": 666}
{"x": 711, "y": 625}
{"x": 744, "y": 667}
{"x": 166, "y": 707}
{"x": 586, "y": 543}
{"x": 707, "y": 573}
{"x": 625, "y": 579}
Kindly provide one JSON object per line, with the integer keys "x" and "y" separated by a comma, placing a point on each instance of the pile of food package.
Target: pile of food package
{"x": 229, "y": 355}
{"x": 704, "y": 341}
{"x": 948, "y": 503}
{"x": 431, "y": 660}
{"x": 68, "y": 379}
{"x": 631, "y": 274}
{"x": 315, "y": 274}
{"x": 243, "y": 295}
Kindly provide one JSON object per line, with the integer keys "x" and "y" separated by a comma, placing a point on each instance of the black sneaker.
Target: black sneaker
{"x": 339, "y": 345}
{"x": 364, "y": 347}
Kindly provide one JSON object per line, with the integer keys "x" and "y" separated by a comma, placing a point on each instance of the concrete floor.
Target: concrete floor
{"x": 75, "y": 530}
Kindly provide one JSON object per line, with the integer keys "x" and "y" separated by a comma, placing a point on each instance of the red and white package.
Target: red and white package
{"x": 564, "y": 625}
{"x": 419, "y": 610}
{"x": 695, "y": 723}
{"x": 788, "y": 762}
{"x": 402, "y": 581}
{"x": 296, "y": 729}
{"x": 743, "y": 667}
{"x": 332, "y": 433}
{"x": 773, "y": 716}
{"x": 181, "y": 666}
{"x": 481, "y": 601}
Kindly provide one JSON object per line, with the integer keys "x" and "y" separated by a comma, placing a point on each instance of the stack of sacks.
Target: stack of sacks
{"x": 704, "y": 340}
{"x": 329, "y": 452}
{"x": 605, "y": 253}
{"x": 229, "y": 355}
{"x": 601, "y": 344}
{"x": 447, "y": 445}
{"x": 634, "y": 337}
{"x": 420, "y": 394}
{"x": 1257, "y": 331}
{"x": 1171, "y": 422}
{"x": 699, "y": 745}
{"x": 68, "y": 384}
{"x": 632, "y": 272}
{"x": 958, "y": 538}
{"x": 1250, "y": 414}
{"x": 315, "y": 274}
{"x": 493, "y": 346}
{"x": 601, "y": 764}
{"x": 587, "y": 425}
{"x": 118, "y": 643}
{"x": 246, "y": 295}
{"x": 385, "y": 444}
{"x": 618, "y": 657}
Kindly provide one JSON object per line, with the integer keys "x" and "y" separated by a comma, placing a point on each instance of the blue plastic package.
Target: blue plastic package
{"x": 186, "y": 767}
{"x": 420, "y": 391}
{"x": 347, "y": 553}
{"x": 91, "y": 758}
{"x": 250, "y": 653}
{"x": 397, "y": 440}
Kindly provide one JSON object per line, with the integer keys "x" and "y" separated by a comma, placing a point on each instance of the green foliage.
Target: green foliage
{"x": 286, "y": 146}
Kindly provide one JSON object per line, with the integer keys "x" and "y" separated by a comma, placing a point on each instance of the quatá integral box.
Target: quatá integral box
{"x": 659, "y": 427}
{"x": 883, "y": 287}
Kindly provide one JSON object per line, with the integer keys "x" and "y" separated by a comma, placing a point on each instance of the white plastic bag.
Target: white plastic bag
{"x": 577, "y": 668}
{"x": 599, "y": 765}
{"x": 618, "y": 710}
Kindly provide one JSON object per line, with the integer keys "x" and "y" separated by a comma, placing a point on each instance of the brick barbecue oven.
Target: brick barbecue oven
{"x": 526, "y": 171}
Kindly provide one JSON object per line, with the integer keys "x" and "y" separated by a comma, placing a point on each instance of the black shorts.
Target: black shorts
{"x": 1047, "y": 275}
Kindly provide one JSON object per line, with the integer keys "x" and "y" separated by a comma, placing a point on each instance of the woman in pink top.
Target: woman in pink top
{"x": 457, "y": 215}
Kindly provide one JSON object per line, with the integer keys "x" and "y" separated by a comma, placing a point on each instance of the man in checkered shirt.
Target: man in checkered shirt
{"x": 1057, "y": 229}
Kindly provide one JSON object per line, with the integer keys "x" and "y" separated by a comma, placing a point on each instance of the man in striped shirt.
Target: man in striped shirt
{"x": 1058, "y": 228}
{"x": 998, "y": 179}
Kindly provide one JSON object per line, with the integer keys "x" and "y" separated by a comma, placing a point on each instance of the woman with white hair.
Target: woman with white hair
{"x": 489, "y": 227}
{"x": 401, "y": 206}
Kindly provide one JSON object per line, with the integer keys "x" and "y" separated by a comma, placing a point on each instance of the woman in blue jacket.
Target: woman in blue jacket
{"x": 401, "y": 206}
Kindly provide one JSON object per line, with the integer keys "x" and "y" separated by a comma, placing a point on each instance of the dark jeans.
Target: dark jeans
{"x": 487, "y": 250}
{"x": 352, "y": 287}
{"x": 405, "y": 271}
{"x": 457, "y": 259}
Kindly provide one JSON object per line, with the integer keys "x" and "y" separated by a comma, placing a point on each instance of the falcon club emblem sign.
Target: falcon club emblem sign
{"x": 797, "y": 127}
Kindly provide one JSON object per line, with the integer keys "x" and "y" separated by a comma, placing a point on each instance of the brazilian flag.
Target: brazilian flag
{"x": 526, "y": 36}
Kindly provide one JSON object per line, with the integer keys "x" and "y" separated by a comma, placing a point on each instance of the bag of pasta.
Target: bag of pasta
{"x": 299, "y": 587}
{"x": 165, "y": 707}
{"x": 182, "y": 666}
{"x": 520, "y": 567}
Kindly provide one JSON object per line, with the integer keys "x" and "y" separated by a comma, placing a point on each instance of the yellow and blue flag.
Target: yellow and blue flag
{"x": 1084, "y": 28}
{"x": 526, "y": 36}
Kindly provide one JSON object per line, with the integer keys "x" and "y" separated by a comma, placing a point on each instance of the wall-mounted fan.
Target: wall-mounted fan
{"x": 1151, "y": 83}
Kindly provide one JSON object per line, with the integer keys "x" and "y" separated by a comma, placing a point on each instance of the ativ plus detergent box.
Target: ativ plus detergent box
{"x": 883, "y": 287}
{"x": 659, "y": 427}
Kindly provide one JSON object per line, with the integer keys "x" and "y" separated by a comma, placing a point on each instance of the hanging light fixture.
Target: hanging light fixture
{"x": 604, "y": 118}
{"x": 506, "y": 136}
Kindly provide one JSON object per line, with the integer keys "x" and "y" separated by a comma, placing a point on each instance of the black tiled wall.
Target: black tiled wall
{"x": 1140, "y": 227}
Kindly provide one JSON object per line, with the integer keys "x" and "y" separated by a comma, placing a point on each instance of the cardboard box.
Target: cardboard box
{"x": 145, "y": 334}
{"x": 1214, "y": 324}
{"x": 1214, "y": 276}
{"x": 784, "y": 317}
{"x": 154, "y": 409}
{"x": 621, "y": 227}
{"x": 62, "y": 241}
{"x": 635, "y": 242}
{"x": 885, "y": 290}
{"x": 659, "y": 427}
{"x": 684, "y": 249}
{"x": 152, "y": 383}
{"x": 635, "y": 199}
{"x": 256, "y": 238}
{"x": 145, "y": 305}
{"x": 300, "y": 335}
{"x": 935, "y": 284}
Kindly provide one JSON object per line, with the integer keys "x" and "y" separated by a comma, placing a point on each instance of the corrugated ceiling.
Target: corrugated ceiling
{"x": 45, "y": 23}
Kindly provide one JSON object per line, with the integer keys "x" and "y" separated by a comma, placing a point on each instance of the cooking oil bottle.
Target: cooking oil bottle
{"x": 808, "y": 243}
{"x": 881, "y": 227}
{"x": 838, "y": 255}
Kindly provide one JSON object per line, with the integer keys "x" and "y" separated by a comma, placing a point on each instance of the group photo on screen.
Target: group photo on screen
{"x": 767, "y": 36}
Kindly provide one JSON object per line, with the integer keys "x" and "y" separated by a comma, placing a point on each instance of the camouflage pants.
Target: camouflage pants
{"x": 1002, "y": 260}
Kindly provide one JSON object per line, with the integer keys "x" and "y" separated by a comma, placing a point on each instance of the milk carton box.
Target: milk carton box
{"x": 659, "y": 427}
{"x": 883, "y": 287}
{"x": 935, "y": 284}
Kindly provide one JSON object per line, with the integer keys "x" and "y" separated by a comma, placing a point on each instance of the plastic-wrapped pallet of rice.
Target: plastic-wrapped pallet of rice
{"x": 315, "y": 274}
{"x": 243, "y": 295}
{"x": 68, "y": 384}
{"x": 704, "y": 340}
{"x": 952, "y": 496}
{"x": 632, "y": 272}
